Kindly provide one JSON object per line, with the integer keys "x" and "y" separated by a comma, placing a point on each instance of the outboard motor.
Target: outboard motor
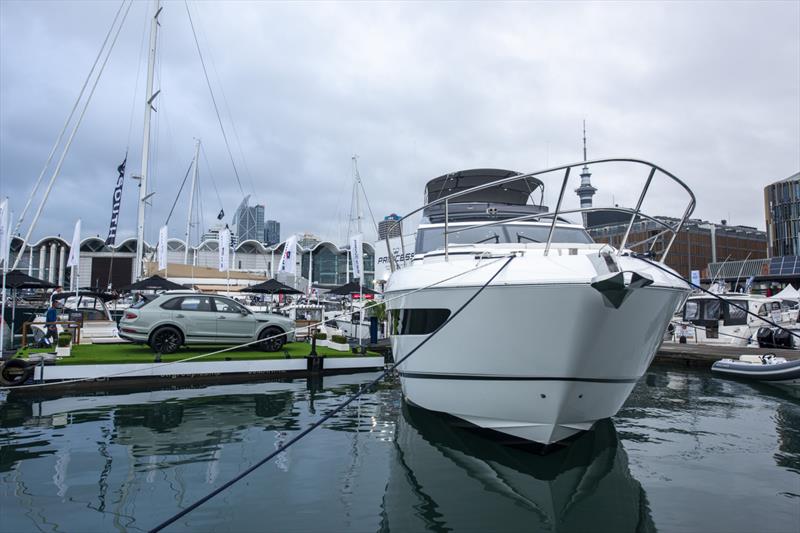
{"x": 766, "y": 338}
{"x": 782, "y": 339}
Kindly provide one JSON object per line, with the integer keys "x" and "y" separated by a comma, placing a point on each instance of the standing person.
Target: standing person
{"x": 50, "y": 318}
{"x": 55, "y": 292}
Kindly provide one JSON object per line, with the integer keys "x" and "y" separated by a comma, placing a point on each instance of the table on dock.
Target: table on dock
{"x": 692, "y": 354}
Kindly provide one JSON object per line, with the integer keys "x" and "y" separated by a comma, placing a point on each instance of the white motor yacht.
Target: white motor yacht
{"x": 557, "y": 340}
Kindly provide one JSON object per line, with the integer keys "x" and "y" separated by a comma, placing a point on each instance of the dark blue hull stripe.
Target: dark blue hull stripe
{"x": 489, "y": 377}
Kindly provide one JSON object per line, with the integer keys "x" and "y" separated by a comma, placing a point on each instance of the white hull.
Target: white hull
{"x": 539, "y": 361}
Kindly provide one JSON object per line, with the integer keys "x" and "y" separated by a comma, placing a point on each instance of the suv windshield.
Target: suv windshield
{"x": 433, "y": 238}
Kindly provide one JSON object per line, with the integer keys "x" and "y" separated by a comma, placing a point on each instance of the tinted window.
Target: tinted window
{"x": 418, "y": 321}
{"x": 712, "y": 310}
{"x": 433, "y": 238}
{"x": 734, "y": 316}
{"x": 692, "y": 311}
{"x": 173, "y": 304}
{"x": 227, "y": 306}
{"x": 191, "y": 303}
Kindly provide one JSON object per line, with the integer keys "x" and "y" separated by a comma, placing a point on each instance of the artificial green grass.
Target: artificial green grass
{"x": 93, "y": 354}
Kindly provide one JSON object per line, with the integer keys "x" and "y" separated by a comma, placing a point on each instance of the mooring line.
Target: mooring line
{"x": 238, "y": 346}
{"x": 717, "y": 296}
{"x": 336, "y": 410}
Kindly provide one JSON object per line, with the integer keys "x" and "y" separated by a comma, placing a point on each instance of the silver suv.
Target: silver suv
{"x": 173, "y": 319}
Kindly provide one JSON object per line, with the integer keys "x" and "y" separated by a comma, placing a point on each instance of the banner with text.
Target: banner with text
{"x": 288, "y": 262}
{"x": 116, "y": 201}
{"x": 224, "y": 250}
{"x": 162, "y": 248}
{"x": 357, "y": 256}
{"x": 403, "y": 253}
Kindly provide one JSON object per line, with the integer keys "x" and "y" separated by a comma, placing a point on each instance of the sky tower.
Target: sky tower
{"x": 585, "y": 191}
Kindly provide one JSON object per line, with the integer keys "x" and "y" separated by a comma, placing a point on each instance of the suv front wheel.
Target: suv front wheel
{"x": 166, "y": 340}
{"x": 271, "y": 344}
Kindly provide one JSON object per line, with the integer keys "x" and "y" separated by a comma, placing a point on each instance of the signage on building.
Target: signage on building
{"x": 357, "y": 296}
{"x": 696, "y": 277}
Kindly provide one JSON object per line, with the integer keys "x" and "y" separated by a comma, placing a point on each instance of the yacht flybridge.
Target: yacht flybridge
{"x": 561, "y": 328}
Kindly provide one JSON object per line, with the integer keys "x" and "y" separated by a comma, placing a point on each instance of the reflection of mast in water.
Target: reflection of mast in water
{"x": 438, "y": 468}
{"x": 787, "y": 426}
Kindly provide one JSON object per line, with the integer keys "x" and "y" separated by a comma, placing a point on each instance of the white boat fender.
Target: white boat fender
{"x": 615, "y": 288}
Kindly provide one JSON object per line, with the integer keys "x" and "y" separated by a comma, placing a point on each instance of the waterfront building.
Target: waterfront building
{"x": 782, "y": 210}
{"x": 212, "y": 234}
{"x": 390, "y": 226}
{"x": 46, "y": 259}
{"x": 699, "y": 243}
{"x": 272, "y": 232}
{"x": 249, "y": 221}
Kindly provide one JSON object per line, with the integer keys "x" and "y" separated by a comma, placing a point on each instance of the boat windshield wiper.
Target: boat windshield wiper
{"x": 521, "y": 236}
{"x": 494, "y": 236}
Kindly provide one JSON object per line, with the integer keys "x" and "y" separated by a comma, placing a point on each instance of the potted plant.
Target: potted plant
{"x": 339, "y": 343}
{"x": 64, "y": 346}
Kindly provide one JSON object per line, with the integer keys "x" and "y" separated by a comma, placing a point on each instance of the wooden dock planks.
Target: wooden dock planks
{"x": 692, "y": 354}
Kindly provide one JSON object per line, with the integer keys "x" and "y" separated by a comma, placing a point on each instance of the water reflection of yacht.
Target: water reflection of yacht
{"x": 439, "y": 468}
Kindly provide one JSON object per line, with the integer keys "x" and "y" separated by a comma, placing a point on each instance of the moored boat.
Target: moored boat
{"x": 767, "y": 368}
{"x": 557, "y": 340}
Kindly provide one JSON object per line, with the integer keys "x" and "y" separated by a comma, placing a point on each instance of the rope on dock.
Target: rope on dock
{"x": 312, "y": 427}
{"x": 257, "y": 341}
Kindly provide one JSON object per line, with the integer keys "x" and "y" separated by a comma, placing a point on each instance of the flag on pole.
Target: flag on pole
{"x": 5, "y": 229}
{"x": 162, "y": 248}
{"x": 224, "y": 250}
{"x": 75, "y": 247}
{"x": 357, "y": 256}
{"x": 288, "y": 260}
{"x": 116, "y": 201}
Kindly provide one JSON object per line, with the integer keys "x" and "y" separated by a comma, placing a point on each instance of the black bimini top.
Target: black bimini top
{"x": 512, "y": 193}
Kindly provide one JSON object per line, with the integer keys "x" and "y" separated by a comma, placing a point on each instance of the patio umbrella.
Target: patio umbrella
{"x": 153, "y": 283}
{"x": 350, "y": 288}
{"x": 271, "y": 286}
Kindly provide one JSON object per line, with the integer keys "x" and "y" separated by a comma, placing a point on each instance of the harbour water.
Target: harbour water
{"x": 688, "y": 452}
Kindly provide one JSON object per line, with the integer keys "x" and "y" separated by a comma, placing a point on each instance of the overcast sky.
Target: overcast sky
{"x": 710, "y": 91}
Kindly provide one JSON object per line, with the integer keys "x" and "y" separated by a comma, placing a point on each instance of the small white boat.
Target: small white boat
{"x": 767, "y": 368}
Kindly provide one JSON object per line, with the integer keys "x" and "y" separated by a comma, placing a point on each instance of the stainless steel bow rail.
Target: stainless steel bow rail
{"x": 554, "y": 215}
{"x": 334, "y": 412}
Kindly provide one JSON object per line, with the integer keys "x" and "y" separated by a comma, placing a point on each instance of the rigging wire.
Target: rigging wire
{"x": 138, "y": 75}
{"x": 213, "y": 99}
{"x": 213, "y": 181}
{"x": 66, "y": 122}
{"x": 227, "y": 108}
{"x": 68, "y": 144}
{"x": 180, "y": 190}
{"x": 362, "y": 389}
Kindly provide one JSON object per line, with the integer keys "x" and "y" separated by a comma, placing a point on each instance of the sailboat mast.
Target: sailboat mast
{"x": 191, "y": 200}
{"x": 148, "y": 108}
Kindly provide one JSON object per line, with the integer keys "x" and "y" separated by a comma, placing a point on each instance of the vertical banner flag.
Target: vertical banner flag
{"x": 75, "y": 247}
{"x": 696, "y": 277}
{"x": 288, "y": 260}
{"x": 75, "y": 255}
{"x": 162, "y": 248}
{"x": 357, "y": 256}
{"x": 5, "y": 237}
{"x": 224, "y": 250}
{"x": 116, "y": 200}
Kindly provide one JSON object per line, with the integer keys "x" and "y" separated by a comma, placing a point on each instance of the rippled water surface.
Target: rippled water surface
{"x": 688, "y": 452}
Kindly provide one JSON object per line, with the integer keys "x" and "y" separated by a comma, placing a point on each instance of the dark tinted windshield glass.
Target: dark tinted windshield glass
{"x": 433, "y": 238}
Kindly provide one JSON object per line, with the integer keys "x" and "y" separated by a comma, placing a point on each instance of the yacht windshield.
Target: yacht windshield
{"x": 433, "y": 238}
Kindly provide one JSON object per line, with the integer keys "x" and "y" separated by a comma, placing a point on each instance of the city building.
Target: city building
{"x": 782, "y": 210}
{"x": 272, "y": 232}
{"x": 212, "y": 234}
{"x": 390, "y": 225}
{"x": 248, "y": 221}
{"x": 698, "y": 244}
